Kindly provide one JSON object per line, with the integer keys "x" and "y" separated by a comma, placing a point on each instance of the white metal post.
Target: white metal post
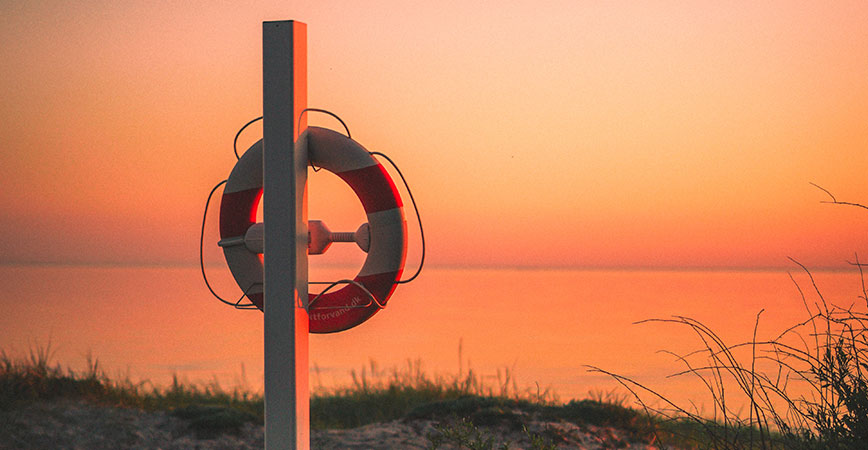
{"x": 284, "y": 96}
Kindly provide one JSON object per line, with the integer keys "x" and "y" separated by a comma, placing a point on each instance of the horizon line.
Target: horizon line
{"x": 845, "y": 266}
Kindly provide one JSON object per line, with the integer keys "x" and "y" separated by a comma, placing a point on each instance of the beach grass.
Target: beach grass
{"x": 209, "y": 408}
{"x": 375, "y": 395}
{"x": 804, "y": 388}
{"x": 458, "y": 403}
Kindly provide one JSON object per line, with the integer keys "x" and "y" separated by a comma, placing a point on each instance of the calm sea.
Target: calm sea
{"x": 541, "y": 326}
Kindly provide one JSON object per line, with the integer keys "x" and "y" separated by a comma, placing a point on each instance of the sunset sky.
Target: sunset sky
{"x": 533, "y": 133}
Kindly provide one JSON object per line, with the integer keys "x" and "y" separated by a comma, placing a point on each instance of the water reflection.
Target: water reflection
{"x": 545, "y": 326}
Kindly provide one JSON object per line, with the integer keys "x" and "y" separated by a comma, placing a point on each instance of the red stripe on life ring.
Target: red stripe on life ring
{"x": 340, "y": 310}
{"x": 238, "y": 211}
{"x": 371, "y": 184}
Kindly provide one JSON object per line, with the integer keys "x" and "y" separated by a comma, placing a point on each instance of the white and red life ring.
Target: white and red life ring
{"x": 343, "y": 308}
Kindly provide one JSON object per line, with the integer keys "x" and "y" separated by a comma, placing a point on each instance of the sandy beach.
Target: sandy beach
{"x": 68, "y": 424}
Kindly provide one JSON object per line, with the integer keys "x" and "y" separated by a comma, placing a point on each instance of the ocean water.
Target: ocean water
{"x": 542, "y": 327}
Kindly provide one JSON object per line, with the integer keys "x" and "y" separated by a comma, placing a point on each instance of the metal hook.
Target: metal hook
{"x": 298, "y": 126}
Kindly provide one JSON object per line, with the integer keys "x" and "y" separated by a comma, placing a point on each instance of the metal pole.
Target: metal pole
{"x": 284, "y": 96}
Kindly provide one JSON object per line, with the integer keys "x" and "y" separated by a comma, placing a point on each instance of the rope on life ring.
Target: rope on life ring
{"x": 371, "y": 288}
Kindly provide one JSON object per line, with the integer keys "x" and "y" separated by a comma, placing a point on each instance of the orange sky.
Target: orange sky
{"x": 533, "y": 133}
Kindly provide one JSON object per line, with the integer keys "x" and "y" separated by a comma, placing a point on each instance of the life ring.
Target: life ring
{"x": 350, "y": 305}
